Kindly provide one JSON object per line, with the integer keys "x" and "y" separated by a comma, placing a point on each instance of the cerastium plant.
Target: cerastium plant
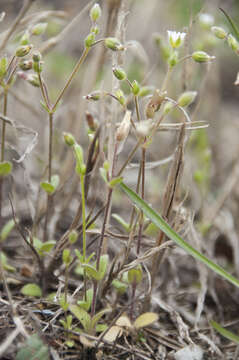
{"x": 94, "y": 277}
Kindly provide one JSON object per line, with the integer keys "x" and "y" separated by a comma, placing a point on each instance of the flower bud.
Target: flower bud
{"x": 95, "y": 96}
{"x": 187, "y": 98}
{"x": 173, "y": 59}
{"x": 39, "y": 29}
{"x": 25, "y": 65}
{"x": 80, "y": 166}
{"x": 119, "y": 73}
{"x": 73, "y": 236}
{"x": 3, "y": 67}
{"x": 66, "y": 257}
{"x": 95, "y": 13}
{"x": 176, "y": 38}
{"x": 124, "y": 127}
{"x": 92, "y": 123}
{"x": 206, "y": 20}
{"x": 135, "y": 87}
{"x": 120, "y": 96}
{"x": 202, "y": 56}
{"x": 219, "y": 32}
{"x": 232, "y": 42}
{"x": 167, "y": 107}
{"x": 69, "y": 139}
{"x": 36, "y": 56}
{"x": 94, "y": 29}
{"x": 113, "y": 44}
{"x": 33, "y": 80}
{"x": 23, "y": 50}
{"x": 89, "y": 40}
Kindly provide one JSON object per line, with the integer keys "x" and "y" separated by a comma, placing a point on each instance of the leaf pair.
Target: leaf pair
{"x": 89, "y": 323}
{"x": 50, "y": 187}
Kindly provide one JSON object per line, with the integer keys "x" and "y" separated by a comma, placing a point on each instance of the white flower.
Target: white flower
{"x": 176, "y": 38}
{"x": 206, "y": 20}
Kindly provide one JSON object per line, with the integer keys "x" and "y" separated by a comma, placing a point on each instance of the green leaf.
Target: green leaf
{"x": 231, "y": 22}
{"x": 104, "y": 260}
{"x": 119, "y": 286}
{"x": 47, "y": 187}
{"x": 5, "y": 168}
{"x": 5, "y": 264}
{"x": 63, "y": 304}
{"x": 34, "y": 349}
{"x": 101, "y": 327}
{"x": 226, "y": 333}
{"x": 112, "y": 183}
{"x": 86, "y": 304}
{"x": 50, "y": 187}
{"x": 70, "y": 343}
{"x": 98, "y": 316}
{"x": 7, "y": 228}
{"x": 47, "y": 246}
{"x": 31, "y": 290}
{"x": 158, "y": 221}
{"x": 82, "y": 316}
{"x": 92, "y": 272}
{"x": 121, "y": 221}
{"x": 37, "y": 245}
{"x": 135, "y": 275}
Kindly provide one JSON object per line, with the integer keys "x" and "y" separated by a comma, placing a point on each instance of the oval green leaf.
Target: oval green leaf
{"x": 145, "y": 319}
{"x": 5, "y": 168}
{"x": 31, "y": 290}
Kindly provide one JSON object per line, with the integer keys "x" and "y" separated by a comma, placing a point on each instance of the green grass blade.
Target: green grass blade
{"x": 231, "y": 22}
{"x": 226, "y": 333}
{"x": 159, "y": 222}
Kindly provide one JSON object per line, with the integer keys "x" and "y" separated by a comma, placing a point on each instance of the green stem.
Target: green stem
{"x": 137, "y": 107}
{"x": 82, "y": 181}
{"x": 3, "y": 145}
{"x": 4, "y": 125}
{"x": 75, "y": 70}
